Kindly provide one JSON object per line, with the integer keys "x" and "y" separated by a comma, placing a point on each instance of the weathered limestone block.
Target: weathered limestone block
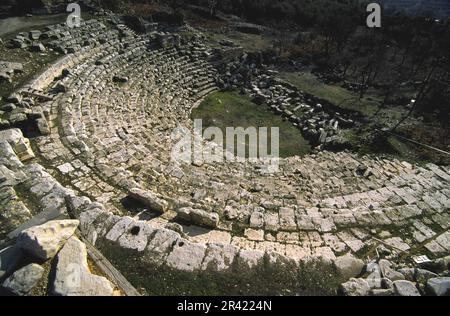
{"x": 119, "y": 228}
{"x": 161, "y": 244}
{"x": 417, "y": 275}
{"x": 150, "y": 199}
{"x": 271, "y": 222}
{"x": 304, "y": 222}
{"x": 24, "y": 280}
{"x": 72, "y": 275}
{"x": 253, "y": 234}
{"x": 55, "y": 200}
{"x": 439, "y": 286}
{"x": 184, "y": 214}
{"x": 186, "y": 256}
{"x": 42, "y": 126}
{"x": 257, "y": 220}
{"x": 348, "y": 266}
{"x": 18, "y": 142}
{"x": 287, "y": 219}
{"x": 44, "y": 241}
{"x": 87, "y": 220}
{"x": 388, "y": 272}
{"x": 405, "y": 288}
{"x": 324, "y": 225}
{"x": 136, "y": 236}
{"x": 297, "y": 252}
{"x": 198, "y": 217}
{"x": 355, "y": 287}
{"x": 219, "y": 257}
{"x": 249, "y": 258}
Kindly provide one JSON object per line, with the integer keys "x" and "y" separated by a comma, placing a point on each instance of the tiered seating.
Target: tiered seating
{"x": 111, "y": 132}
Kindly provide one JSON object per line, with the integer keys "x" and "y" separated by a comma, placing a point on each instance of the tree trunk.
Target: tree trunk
{"x": 420, "y": 96}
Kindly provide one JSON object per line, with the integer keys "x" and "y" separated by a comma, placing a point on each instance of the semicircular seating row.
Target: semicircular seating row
{"x": 108, "y": 137}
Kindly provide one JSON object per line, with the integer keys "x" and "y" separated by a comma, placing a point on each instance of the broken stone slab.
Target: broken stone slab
{"x": 72, "y": 275}
{"x": 405, "y": 288}
{"x": 44, "y": 241}
{"x": 203, "y": 218}
{"x": 388, "y": 272}
{"x": 355, "y": 287}
{"x": 198, "y": 217}
{"x": 24, "y": 280}
{"x": 18, "y": 142}
{"x": 150, "y": 199}
{"x": 39, "y": 219}
{"x": 349, "y": 266}
{"x": 439, "y": 286}
{"x": 417, "y": 275}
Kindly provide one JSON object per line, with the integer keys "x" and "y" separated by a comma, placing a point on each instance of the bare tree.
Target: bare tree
{"x": 212, "y": 7}
{"x": 423, "y": 91}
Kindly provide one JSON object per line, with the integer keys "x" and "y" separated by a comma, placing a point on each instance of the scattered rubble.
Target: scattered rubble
{"x": 24, "y": 280}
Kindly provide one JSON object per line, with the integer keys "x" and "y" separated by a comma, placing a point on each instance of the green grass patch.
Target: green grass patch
{"x": 229, "y": 109}
{"x": 250, "y": 42}
{"x": 335, "y": 94}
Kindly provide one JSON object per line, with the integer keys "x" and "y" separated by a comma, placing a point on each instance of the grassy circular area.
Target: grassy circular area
{"x": 229, "y": 109}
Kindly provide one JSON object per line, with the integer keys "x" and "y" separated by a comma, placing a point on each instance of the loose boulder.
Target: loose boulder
{"x": 24, "y": 280}
{"x": 355, "y": 287}
{"x": 72, "y": 275}
{"x": 439, "y": 286}
{"x": 348, "y": 266}
{"x": 44, "y": 241}
{"x": 388, "y": 272}
{"x": 150, "y": 199}
{"x": 405, "y": 288}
